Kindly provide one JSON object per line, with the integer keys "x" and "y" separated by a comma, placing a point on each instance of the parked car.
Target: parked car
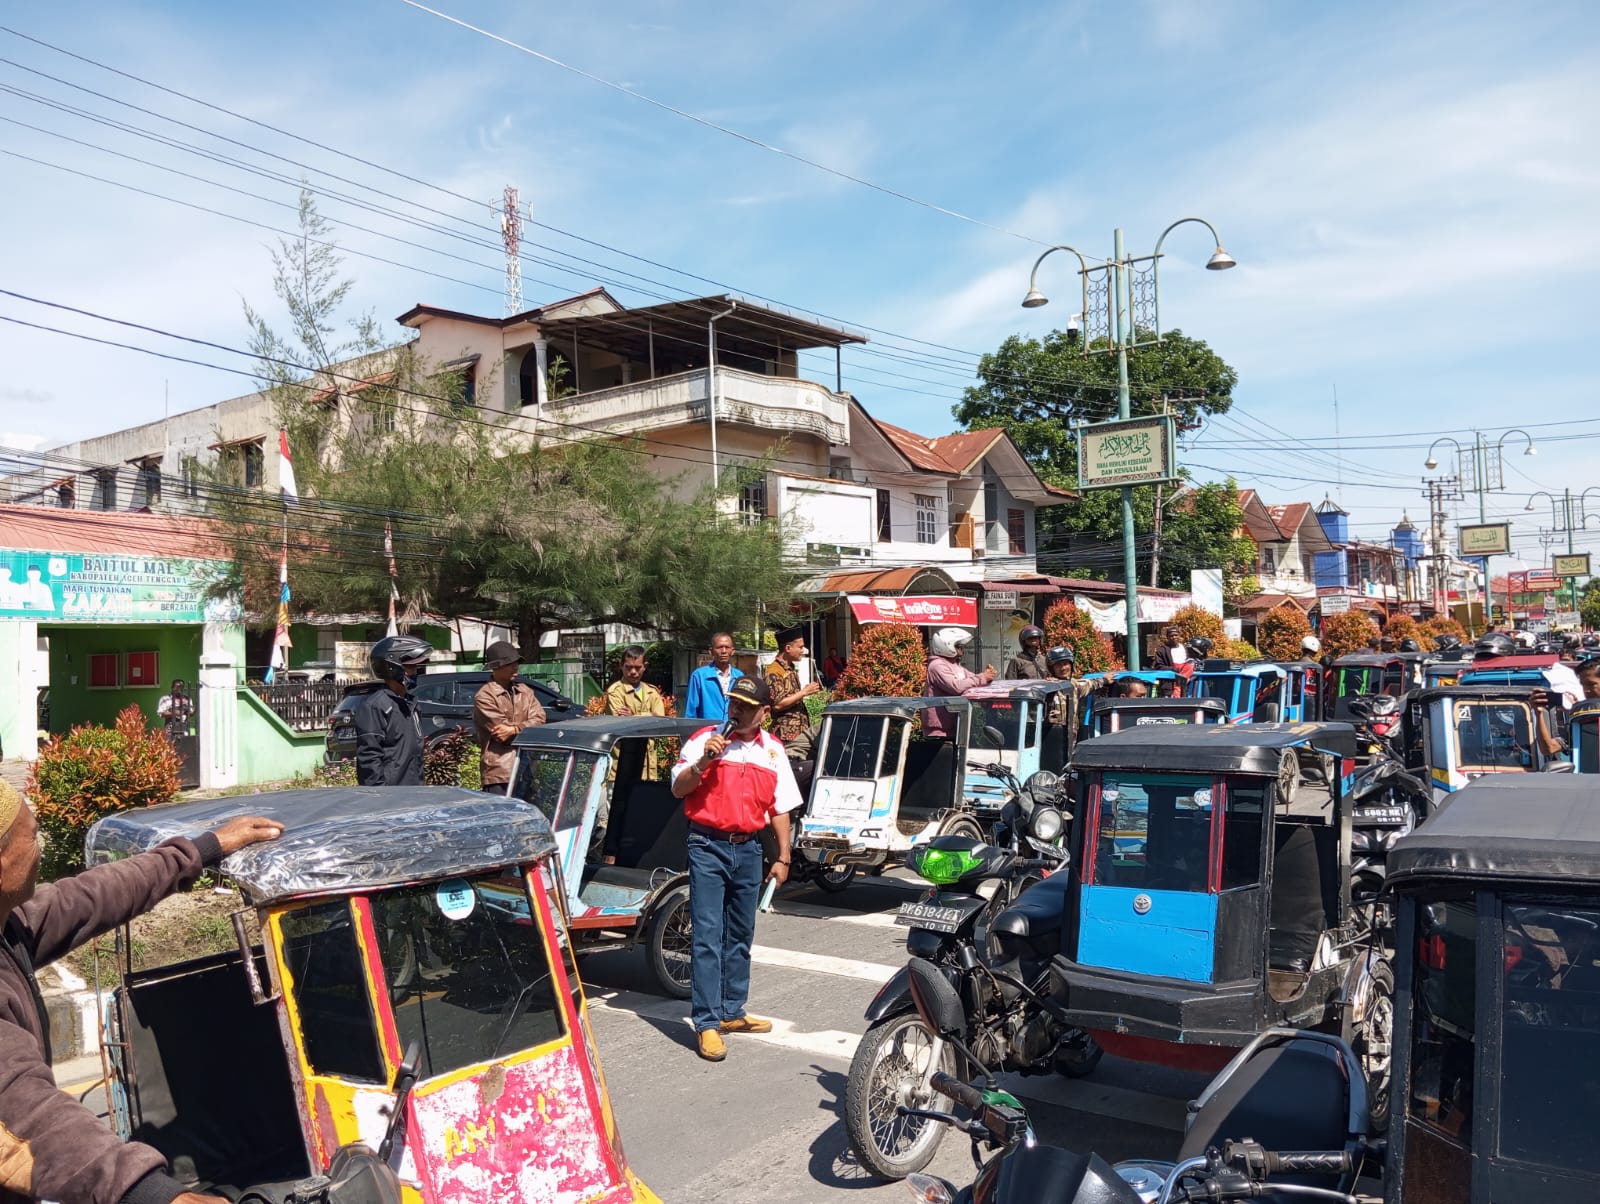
{"x": 444, "y": 704}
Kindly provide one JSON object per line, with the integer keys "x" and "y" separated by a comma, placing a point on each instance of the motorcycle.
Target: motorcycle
{"x": 1387, "y": 803}
{"x": 1001, "y": 974}
{"x": 1278, "y": 1088}
{"x": 1378, "y": 725}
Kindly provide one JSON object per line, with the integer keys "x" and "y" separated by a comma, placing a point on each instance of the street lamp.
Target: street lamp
{"x": 1563, "y": 525}
{"x": 1480, "y": 466}
{"x": 1128, "y": 292}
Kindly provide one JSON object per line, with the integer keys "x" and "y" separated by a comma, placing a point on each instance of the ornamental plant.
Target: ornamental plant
{"x": 1404, "y": 627}
{"x": 1244, "y": 650}
{"x": 92, "y": 772}
{"x": 1194, "y": 620}
{"x": 1065, "y": 624}
{"x": 1347, "y": 633}
{"x": 1443, "y": 625}
{"x": 453, "y": 760}
{"x": 888, "y": 661}
{"x": 1280, "y": 632}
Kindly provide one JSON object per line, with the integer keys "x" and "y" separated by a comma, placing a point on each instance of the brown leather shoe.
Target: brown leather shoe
{"x": 747, "y": 1024}
{"x": 712, "y": 1047}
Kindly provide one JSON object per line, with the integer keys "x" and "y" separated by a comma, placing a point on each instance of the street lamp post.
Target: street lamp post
{"x": 1480, "y": 465}
{"x": 1122, "y": 336}
{"x": 1566, "y": 526}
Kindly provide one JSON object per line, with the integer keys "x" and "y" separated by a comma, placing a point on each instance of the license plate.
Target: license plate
{"x": 1379, "y": 817}
{"x": 930, "y": 916}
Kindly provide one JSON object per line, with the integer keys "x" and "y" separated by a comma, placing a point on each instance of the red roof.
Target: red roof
{"x": 1289, "y": 517}
{"x": 1273, "y": 601}
{"x": 48, "y": 529}
{"x": 957, "y": 454}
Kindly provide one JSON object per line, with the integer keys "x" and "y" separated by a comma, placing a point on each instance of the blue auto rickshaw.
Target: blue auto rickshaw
{"x": 1029, "y": 725}
{"x": 1472, "y": 730}
{"x": 1162, "y": 683}
{"x": 1302, "y": 693}
{"x": 1584, "y": 736}
{"x": 1252, "y": 691}
{"x": 1525, "y": 670}
{"x": 1114, "y": 714}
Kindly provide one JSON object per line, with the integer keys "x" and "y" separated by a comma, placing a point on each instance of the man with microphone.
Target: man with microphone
{"x": 733, "y": 781}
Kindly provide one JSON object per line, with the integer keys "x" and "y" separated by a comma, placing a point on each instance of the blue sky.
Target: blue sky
{"x": 1410, "y": 192}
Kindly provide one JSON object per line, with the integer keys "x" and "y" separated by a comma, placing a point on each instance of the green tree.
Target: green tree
{"x": 1589, "y": 604}
{"x": 1037, "y": 389}
{"x": 489, "y": 521}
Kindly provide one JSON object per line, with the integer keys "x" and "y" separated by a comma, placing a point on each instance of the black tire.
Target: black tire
{"x": 669, "y": 944}
{"x": 1373, "y": 1041}
{"x": 887, "y": 1071}
{"x": 961, "y": 825}
{"x": 835, "y": 878}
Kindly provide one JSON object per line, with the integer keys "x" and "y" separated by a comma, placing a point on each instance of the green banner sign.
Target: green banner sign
{"x": 90, "y": 587}
{"x": 1136, "y": 451}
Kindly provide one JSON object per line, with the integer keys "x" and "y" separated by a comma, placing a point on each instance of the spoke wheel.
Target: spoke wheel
{"x": 891, "y": 1068}
{"x": 670, "y": 944}
{"x": 1374, "y": 1044}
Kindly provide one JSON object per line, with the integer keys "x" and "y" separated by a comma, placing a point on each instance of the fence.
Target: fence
{"x": 304, "y": 706}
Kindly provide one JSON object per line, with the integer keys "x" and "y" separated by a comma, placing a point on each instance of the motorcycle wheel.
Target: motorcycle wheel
{"x": 835, "y": 878}
{"x": 1373, "y": 1042}
{"x": 669, "y": 944}
{"x": 889, "y": 1068}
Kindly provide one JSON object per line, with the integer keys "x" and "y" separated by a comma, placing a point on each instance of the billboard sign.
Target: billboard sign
{"x": 1133, "y": 451}
{"x": 1486, "y": 539}
{"x": 104, "y": 587}
{"x": 931, "y": 610}
{"x": 1575, "y": 564}
{"x": 1334, "y": 604}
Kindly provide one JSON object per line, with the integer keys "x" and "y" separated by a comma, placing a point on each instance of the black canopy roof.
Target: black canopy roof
{"x": 599, "y": 732}
{"x": 1211, "y": 747}
{"x": 1478, "y": 693}
{"x": 1589, "y": 708}
{"x": 1212, "y": 706}
{"x": 1524, "y": 827}
{"x": 899, "y": 708}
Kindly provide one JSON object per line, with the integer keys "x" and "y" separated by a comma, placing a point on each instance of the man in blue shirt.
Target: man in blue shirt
{"x": 709, "y": 684}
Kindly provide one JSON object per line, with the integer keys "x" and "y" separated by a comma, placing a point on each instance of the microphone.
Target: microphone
{"x": 727, "y": 728}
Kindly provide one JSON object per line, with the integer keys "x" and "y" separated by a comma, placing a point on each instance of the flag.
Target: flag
{"x": 286, "y": 486}
{"x": 281, "y": 643}
{"x": 394, "y": 576}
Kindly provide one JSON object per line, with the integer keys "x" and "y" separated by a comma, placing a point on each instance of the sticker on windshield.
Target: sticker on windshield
{"x": 456, "y": 899}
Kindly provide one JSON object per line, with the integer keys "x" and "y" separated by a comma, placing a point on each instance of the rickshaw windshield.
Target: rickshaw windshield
{"x": 1552, "y": 1023}
{"x": 467, "y": 969}
{"x": 1493, "y": 736}
{"x": 1220, "y": 688}
{"x": 1005, "y": 716}
{"x": 557, "y": 783}
{"x": 1154, "y": 831}
{"x": 1443, "y": 1017}
{"x": 859, "y": 746}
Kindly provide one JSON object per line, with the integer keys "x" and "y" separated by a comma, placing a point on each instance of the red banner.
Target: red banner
{"x": 939, "y": 610}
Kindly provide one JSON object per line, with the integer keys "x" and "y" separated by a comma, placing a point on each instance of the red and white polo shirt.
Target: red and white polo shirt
{"x": 743, "y": 788}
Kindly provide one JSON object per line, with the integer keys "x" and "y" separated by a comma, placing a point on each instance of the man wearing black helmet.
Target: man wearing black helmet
{"x": 1030, "y": 662}
{"x": 388, "y": 732}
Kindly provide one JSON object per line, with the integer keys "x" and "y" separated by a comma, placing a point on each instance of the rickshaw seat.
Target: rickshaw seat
{"x": 648, "y": 828}
{"x": 177, "y": 1020}
{"x": 929, "y": 779}
{"x": 1037, "y": 912}
{"x": 1298, "y": 911}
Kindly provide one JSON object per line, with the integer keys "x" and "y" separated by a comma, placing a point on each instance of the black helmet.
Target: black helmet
{"x": 1496, "y": 643}
{"x": 1030, "y": 633}
{"x": 1061, "y": 655}
{"x": 1201, "y": 646}
{"x": 1410, "y": 646}
{"x": 1591, "y": 640}
{"x": 394, "y": 654}
{"x": 1446, "y": 642}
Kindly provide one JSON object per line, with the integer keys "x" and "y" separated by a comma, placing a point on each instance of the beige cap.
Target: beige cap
{"x": 10, "y": 806}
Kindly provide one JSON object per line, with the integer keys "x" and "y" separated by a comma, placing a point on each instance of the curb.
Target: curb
{"x": 74, "y": 1011}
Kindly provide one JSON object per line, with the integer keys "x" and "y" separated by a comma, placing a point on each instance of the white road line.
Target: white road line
{"x": 821, "y": 1043}
{"x": 821, "y": 963}
{"x": 868, "y": 919}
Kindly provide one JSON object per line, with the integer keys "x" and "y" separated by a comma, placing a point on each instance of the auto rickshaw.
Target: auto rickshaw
{"x": 1467, "y": 731}
{"x": 1162, "y": 683}
{"x": 1523, "y": 670}
{"x": 604, "y": 784}
{"x": 1252, "y": 691}
{"x": 1497, "y": 987}
{"x": 1302, "y": 696}
{"x": 1210, "y": 894}
{"x": 1444, "y": 668}
{"x": 881, "y": 787}
{"x": 1584, "y": 736}
{"x": 402, "y": 979}
{"x": 1364, "y": 674}
{"x": 1028, "y": 725}
{"x": 1114, "y": 714}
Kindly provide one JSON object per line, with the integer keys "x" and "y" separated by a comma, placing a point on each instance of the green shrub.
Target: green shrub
{"x": 92, "y": 772}
{"x": 886, "y": 662}
{"x": 816, "y": 703}
{"x": 1067, "y": 626}
{"x": 1349, "y": 632}
{"x": 1281, "y": 630}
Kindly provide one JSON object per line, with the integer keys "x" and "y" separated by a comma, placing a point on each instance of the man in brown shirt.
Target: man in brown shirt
{"x": 789, "y": 715}
{"x": 51, "y": 1147}
{"x": 501, "y": 709}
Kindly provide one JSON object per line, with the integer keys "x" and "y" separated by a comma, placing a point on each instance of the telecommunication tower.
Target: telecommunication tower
{"x": 510, "y": 213}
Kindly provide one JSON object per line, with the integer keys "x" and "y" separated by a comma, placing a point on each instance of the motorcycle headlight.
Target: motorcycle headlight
{"x": 1045, "y": 824}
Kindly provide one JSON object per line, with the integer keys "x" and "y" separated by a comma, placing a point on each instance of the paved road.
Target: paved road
{"x": 767, "y": 1124}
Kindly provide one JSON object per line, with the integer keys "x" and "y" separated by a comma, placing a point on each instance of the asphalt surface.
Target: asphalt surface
{"x": 767, "y": 1124}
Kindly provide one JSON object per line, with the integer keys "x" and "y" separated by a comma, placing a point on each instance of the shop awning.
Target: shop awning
{"x": 919, "y": 610}
{"x": 1266, "y": 602}
{"x": 877, "y": 581}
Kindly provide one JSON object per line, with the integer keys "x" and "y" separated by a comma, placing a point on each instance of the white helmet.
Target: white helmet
{"x": 948, "y": 641}
{"x": 1311, "y": 645}
{"x": 1524, "y": 639}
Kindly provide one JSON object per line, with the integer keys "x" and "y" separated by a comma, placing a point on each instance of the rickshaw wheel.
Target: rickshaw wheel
{"x": 889, "y": 1069}
{"x": 669, "y": 943}
{"x": 961, "y": 825}
{"x": 835, "y": 878}
{"x": 1373, "y": 1042}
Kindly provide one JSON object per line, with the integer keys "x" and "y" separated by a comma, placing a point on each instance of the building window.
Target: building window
{"x": 143, "y": 669}
{"x": 1017, "y": 532}
{"x": 67, "y": 496}
{"x": 927, "y": 517}
{"x": 753, "y": 500}
{"x": 104, "y": 671}
{"x": 150, "y": 480}
{"x": 885, "y": 525}
{"x": 991, "y": 516}
{"x": 105, "y": 489}
{"x": 1269, "y": 558}
{"x": 255, "y": 462}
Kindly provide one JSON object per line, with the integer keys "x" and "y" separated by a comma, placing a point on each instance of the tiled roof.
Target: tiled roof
{"x": 956, "y": 454}
{"x": 49, "y": 529}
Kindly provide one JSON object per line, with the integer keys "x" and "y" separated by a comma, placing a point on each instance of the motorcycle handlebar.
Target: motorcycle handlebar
{"x": 964, "y": 1094}
{"x": 1309, "y": 1162}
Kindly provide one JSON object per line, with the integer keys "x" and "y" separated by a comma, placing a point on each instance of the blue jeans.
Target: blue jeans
{"x": 724, "y": 890}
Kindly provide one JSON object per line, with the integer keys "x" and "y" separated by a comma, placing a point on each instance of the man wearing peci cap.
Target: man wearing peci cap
{"x": 789, "y": 715}
{"x": 51, "y": 1147}
{"x": 732, "y": 786}
{"x": 500, "y": 709}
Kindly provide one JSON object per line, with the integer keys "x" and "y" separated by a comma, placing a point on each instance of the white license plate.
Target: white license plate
{"x": 930, "y": 916}
{"x": 1379, "y": 817}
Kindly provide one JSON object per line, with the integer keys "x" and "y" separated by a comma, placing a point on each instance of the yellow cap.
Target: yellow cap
{"x": 10, "y": 806}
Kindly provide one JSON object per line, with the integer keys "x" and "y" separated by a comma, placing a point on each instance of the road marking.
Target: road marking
{"x": 821, "y": 1043}
{"x": 867, "y": 919}
{"x": 821, "y": 963}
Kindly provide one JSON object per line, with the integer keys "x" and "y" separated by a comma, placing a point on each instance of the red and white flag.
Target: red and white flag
{"x": 287, "y": 488}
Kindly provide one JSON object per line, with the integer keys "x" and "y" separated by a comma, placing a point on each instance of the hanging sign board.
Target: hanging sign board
{"x": 1133, "y": 451}
{"x": 1575, "y": 564}
{"x": 1000, "y": 599}
{"x": 1486, "y": 539}
{"x": 110, "y": 587}
{"x": 1334, "y": 604}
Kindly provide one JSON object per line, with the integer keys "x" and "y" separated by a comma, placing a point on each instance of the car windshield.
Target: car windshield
{"x": 556, "y": 782}
{"x": 862, "y": 746}
{"x": 1154, "y": 831}
{"x": 1493, "y": 736}
{"x": 1218, "y": 687}
{"x": 467, "y": 969}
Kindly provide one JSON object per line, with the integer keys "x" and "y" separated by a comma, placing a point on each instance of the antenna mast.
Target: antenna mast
{"x": 510, "y": 214}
